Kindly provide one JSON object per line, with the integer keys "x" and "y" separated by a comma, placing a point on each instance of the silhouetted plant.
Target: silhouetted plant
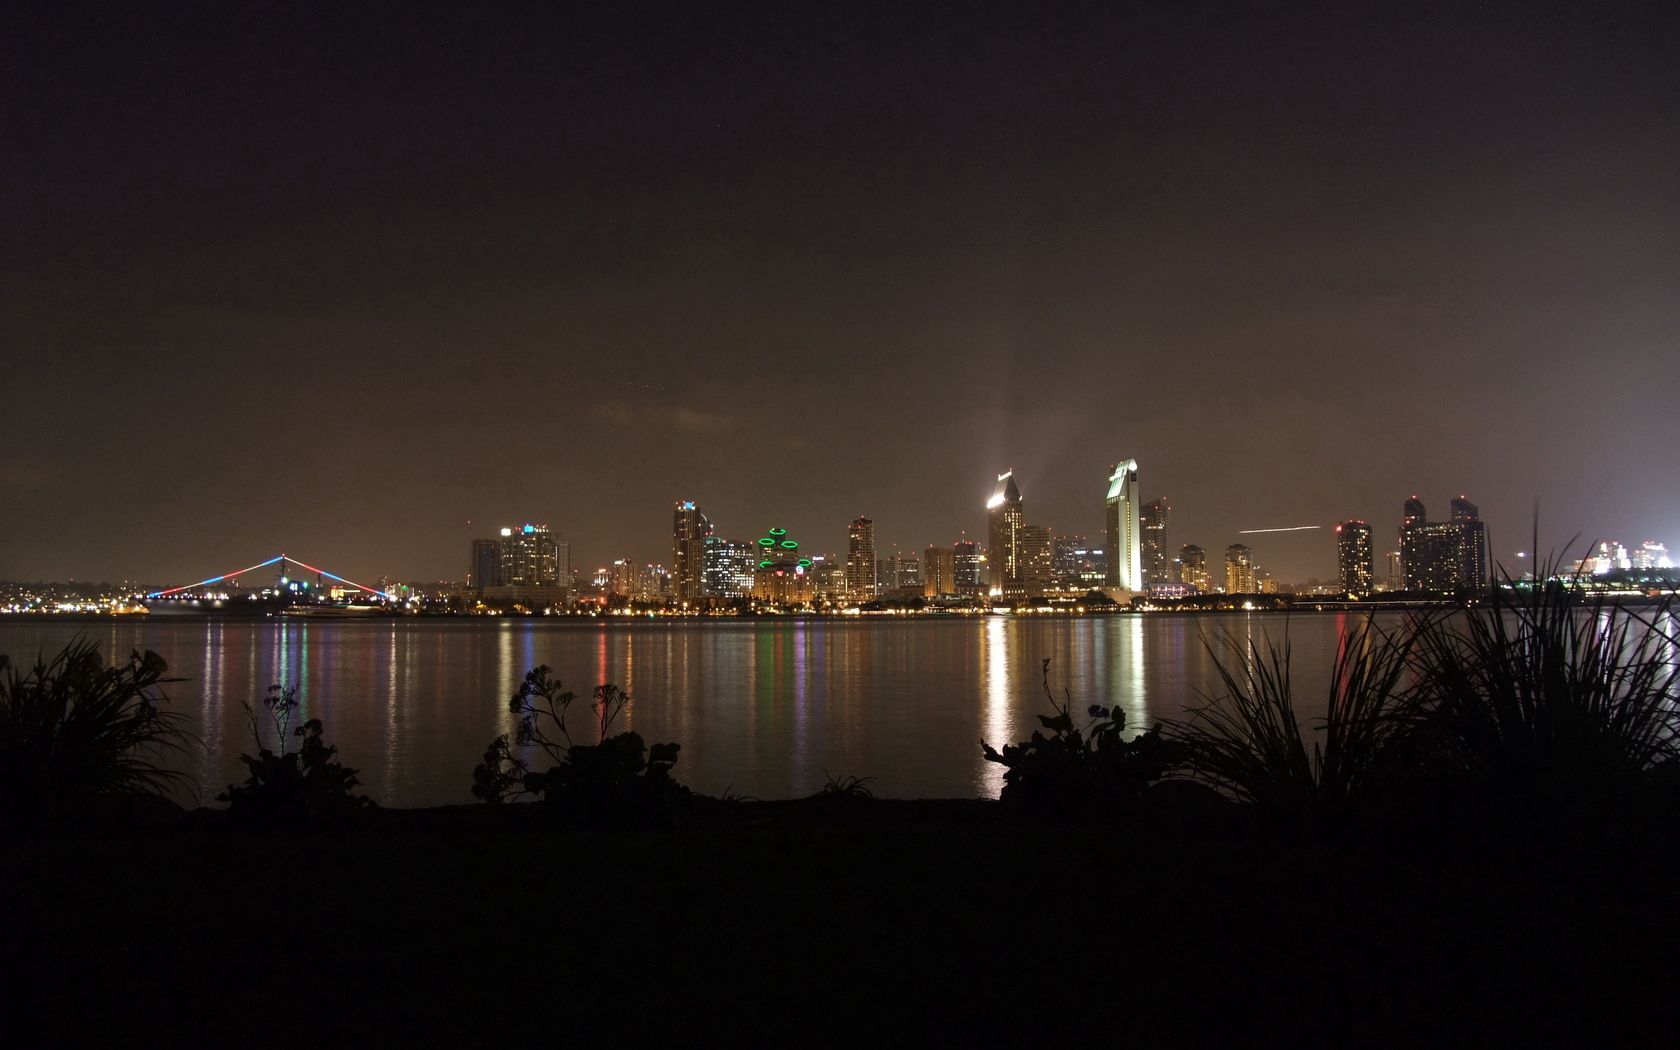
{"x": 1078, "y": 768}
{"x": 1247, "y": 742}
{"x": 846, "y": 787}
{"x": 76, "y": 733}
{"x": 307, "y": 787}
{"x": 1556, "y": 711}
{"x": 616, "y": 779}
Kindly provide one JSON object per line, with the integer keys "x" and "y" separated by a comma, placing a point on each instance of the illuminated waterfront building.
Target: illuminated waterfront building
{"x": 1651, "y": 555}
{"x": 1157, "y": 563}
{"x": 939, "y": 571}
{"x": 1125, "y": 553}
{"x": 1443, "y": 557}
{"x": 781, "y": 576}
{"x": 1239, "y": 569}
{"x": 860, "y": 559}
{"x": 1355, "y": 558}
{"x": 530, "y": 556}
{"x": 1035, "y": 560}
{"x": 1192, "y": 568}
{"x": 965, "y": 567}
{"x": 621, "y": 578}
{"x": 1004, "y": 518}
{"x": 532, "y": 569}
{"x": 728, "y": 568}
{"x": 689, "y": 529}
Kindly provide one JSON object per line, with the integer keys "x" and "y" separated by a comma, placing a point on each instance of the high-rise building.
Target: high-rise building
{"x": 965, "y": 567}
{"x": 1157, "y": 563}
{"x": 1035, "y": 555}
{"x": 1443, "y": 557}
{"x": 860, "y": 559}
{"x": 525, "y": 567}
{"x": 1004, "y": 518}
{"x": 486, "y": 565}
{"x": 530, "y": 556}
{"x": 1239, "y": 569}
{"x": 728, "y": 568}
{"x": 939, "y": 571}
{"x": 621, "y": 578}
{"x": 689, "y": 529}
{"x": 1125, "y": 553}
{"x": 1192, "y": 568}
{"x": 1354, "y": 558}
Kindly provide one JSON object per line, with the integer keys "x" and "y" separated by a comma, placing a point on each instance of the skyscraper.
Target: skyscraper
{"x": 1239, "y": 569}
{"x": 965, "y": 567}
{"x": 486, "y": 566}
{"x": 1125, "y": 555}
{"x": 689, "y": 529}
{"x": 860, "y": 559}
{"x": 939, "y": 571}
{"x": 531, "y": 557}
{"x": 1004, "y": 518}
{"x": 1443, "y": 557}
{"x": 1192, "y": 568}
{"x": 1354, "y": 558}
{"x": 1035, "y": 558}
{"x": 1157, "y": 564}
{"x": 728, "y": 568}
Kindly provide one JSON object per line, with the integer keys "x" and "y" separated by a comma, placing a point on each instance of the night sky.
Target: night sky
{"x": 361, "y": 288}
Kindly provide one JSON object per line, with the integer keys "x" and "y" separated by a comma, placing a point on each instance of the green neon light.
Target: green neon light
{"x": 766, "y": 542}
{"x": 790, "y": 545}
{"x": 765, "y": 564}
{"x": 805, "y": 563}
{"x": 778, "y": 532}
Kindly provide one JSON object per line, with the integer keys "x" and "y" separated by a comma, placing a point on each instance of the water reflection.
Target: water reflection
{"x": 763, "y": 707}
{"x": 1000, "y": 691}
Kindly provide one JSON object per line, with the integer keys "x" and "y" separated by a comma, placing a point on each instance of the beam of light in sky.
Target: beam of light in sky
{"x": 1292, "y": 528}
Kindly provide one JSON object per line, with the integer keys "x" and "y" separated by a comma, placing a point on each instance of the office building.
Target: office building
{"x": 860, "y": 559}
{"x": 1157, "y": 562}
{"x": 1125, "y": 549}
{"x": 485, "y": 569}
{"x": 689, "y": 529}
{"x": 1355, "y": 557}
{"x": 1444, "y": 557}
{"x": 965, "y": 567}
{"x": 1004, "y": 518}
{"x": 728, "y": 567}
{"x": 939, "y": 571}
{"x": 1035, "y": 558}
{"x": 1239, "y": 570}
{"x": 1193, "y": 570}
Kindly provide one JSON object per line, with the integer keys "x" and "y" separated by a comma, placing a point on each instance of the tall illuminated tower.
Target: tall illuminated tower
{"x": 1157, "y": 563}
{"x": 1239, "y": 569}
{"x": 1125, "y": 554}
{"x": 1354, "y": 558}
{"x": 860, "y": 559}
{"x": 689, "y": 529}
{"x": 1004, "y": 518}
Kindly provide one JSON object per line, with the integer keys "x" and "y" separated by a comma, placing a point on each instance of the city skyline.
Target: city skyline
{"x": 315, "y": 281}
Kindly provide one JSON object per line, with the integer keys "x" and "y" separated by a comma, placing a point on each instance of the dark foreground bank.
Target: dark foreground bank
{"x": 844, "y": 921}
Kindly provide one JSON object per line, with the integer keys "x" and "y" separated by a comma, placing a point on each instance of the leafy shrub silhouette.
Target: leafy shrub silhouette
{"x": 617, "y": 779}
{"x": 1072, "y": 768}
{"x": 305, "y": 788}
{"x": 77, "y": 735}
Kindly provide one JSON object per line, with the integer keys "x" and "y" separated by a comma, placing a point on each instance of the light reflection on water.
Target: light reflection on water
{"x": 763, "y": 708}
